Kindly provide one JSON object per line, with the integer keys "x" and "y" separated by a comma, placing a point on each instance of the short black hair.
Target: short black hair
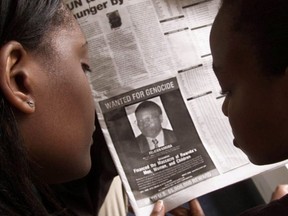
{"x": 265, "y": 22}
{"x": 27, "y": 22}
{"x": 148, "y": 105}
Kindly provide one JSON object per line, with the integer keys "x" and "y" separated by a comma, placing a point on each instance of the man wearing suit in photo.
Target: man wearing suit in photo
{"x": 149, "y": 121}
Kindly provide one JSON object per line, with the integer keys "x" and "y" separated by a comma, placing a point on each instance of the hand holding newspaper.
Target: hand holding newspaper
{"x": 158, "y": 100}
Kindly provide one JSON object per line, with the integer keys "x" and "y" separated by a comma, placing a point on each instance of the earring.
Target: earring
{"x": 30, "y": 103}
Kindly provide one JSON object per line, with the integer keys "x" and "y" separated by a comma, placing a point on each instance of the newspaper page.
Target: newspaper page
{"x": 158, "y": 100}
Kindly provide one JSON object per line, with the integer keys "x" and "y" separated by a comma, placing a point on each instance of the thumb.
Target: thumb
{"x": 195, "y": 208}
{"x": 158, "y": 209}
{"x": 280, "y": 191}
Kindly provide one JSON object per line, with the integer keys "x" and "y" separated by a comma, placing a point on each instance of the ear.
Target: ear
{"x": 161, "y": 118}
{"x": 15, "y": 80}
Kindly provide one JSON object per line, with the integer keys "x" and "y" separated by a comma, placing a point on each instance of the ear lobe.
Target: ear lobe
{"x": 15, "y": 78}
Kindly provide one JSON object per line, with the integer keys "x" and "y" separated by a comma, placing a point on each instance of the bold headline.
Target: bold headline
{"x": 91, "y": 10}
{"x": 139, "y": 95}
{"x": 165, "y": 162}
{"x": 181, "y": 186}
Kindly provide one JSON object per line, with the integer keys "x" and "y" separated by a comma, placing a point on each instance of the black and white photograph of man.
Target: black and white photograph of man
{"x": 149, "y": 119}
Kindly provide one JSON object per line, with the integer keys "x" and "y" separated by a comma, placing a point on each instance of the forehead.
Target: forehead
{"x": 227, "y": 46}
{"x": 61, "y": 47}
{"x": 71, "y": 32}
{"x": 221, "y": 37}
{"x": 62, "y": 41}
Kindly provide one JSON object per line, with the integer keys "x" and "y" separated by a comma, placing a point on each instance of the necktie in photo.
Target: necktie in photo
{"x": 155, "y": 142}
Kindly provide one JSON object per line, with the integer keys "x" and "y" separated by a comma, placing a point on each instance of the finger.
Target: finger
{"x": 180, "y": 211}
{"x": 158, "y": 209}
{"x": 130, "y": 209}
{"x": 195, "y": 208}
{"x": 279, "y": 192}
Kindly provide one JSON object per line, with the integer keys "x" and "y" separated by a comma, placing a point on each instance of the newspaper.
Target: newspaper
{"x": 158, "y": 51}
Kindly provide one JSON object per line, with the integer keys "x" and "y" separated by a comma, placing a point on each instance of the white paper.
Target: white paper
{"x": 158, "y": 50}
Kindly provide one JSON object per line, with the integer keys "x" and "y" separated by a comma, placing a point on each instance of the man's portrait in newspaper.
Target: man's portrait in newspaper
{"x": 114, "y": 19}
{"x": 149, "y": 119}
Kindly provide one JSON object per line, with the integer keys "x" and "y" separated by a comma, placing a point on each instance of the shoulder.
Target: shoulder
{"x": 168, "y": 131}
{"x": 277, "y": 207}
{"x": 169, "y": 136}
{"x": 141, "y": 137}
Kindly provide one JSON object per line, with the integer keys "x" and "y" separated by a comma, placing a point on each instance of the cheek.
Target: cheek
{"x": 157, "y": 126}
{"x": 258, "y": 133}
{"x": 140, "y": 126}
{"x": 243, "y": 120}
{"x": 67, "y": 124}
{"x": 82, "y": 108}
{"x": 76, "y": 123}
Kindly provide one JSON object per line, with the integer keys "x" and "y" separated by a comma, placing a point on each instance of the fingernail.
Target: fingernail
{"x": 158, "y": 206}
